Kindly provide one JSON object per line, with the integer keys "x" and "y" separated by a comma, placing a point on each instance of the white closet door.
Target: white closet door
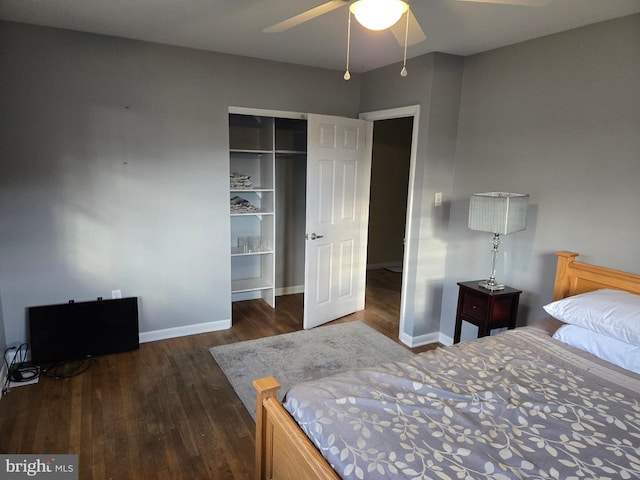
{"x": 338, "y": 180}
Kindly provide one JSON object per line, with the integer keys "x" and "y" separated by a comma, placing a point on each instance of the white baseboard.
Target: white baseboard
{"x": 420, "y": 340}
{"x": 289, "y": 290}
{"x": 184, "y": 331}
{"x": 446, "y": 340}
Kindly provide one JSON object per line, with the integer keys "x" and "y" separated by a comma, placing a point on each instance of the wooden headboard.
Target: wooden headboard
{"x": 574, "y": 277}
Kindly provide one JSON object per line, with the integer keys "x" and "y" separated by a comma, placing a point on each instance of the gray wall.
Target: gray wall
{"x": 114, "y": 171}
{"x": 114, "y": 165}
{"x": 557, "y": 118}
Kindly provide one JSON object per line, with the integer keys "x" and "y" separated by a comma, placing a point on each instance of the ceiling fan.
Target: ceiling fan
{"x": 381, "y": 15}
{"x": 415, "y": 34}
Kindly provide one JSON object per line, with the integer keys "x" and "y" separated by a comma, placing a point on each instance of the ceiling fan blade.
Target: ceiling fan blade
{"x": 416, "y": 34}
{"x": 524, "y": 3}
{"x": 306, "y": 16}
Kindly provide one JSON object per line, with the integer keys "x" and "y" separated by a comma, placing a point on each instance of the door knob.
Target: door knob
{"x": 314, "y": 236}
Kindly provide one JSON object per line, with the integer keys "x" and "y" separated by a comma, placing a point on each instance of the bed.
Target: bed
{"x": 520, "y": 404}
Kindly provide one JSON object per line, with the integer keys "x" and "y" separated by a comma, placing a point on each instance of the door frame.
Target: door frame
{"x": 402, "y": 112}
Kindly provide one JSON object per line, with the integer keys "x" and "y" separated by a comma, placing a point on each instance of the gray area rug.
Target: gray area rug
{"x": 305, "y": 355}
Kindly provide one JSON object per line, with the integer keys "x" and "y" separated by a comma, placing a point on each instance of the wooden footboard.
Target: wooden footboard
{"x": 283, "y": 451}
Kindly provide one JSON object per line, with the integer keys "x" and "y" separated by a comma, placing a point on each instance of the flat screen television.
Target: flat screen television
{"x": 72, "y": 331}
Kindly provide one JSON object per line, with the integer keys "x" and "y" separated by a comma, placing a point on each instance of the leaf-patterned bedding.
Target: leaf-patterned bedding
{"x": 515, "y": 405}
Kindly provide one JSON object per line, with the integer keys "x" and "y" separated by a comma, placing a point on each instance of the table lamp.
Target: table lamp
{"x": 499, "y": 213}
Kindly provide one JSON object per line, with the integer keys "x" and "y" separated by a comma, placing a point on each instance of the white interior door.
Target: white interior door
{"x": 338, "y": 179}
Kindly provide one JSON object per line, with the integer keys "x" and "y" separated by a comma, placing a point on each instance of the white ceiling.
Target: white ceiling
{"x": 235, "y": 26}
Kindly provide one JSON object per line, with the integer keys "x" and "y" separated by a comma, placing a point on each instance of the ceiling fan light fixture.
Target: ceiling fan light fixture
{"x": 378, "y": 14}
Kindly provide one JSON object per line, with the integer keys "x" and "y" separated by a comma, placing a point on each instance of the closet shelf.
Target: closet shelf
{"x": 254, "y": 189}
{"x": 250, "y": 285}
{"x": 252, "y": 166}
{"x": 249, "y": 214}
{"x": 235, "y": 252}
{"x": 249, "y": 150}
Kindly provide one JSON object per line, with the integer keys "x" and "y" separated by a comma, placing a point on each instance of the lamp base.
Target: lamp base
{"x": 491, "y": 285}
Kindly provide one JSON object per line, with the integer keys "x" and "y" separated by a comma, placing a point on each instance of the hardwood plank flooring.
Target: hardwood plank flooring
{"x": 166, "y": 411}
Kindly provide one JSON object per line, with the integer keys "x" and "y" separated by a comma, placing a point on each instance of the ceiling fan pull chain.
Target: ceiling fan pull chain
{"x": 347, "y": 75}
{"x": 403, "y": 72}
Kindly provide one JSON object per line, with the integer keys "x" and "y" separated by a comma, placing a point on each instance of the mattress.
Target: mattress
{"x": 515, "y": 405}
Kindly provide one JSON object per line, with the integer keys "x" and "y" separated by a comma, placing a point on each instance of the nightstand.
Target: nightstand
{"x": 485, "y": 308}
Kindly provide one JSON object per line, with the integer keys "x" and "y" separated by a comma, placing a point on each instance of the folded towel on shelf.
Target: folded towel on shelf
{"x": 238, "y": 180}
{"x": 241, "y": 205}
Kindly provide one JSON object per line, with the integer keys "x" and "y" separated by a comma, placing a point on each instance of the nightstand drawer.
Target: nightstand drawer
{"x": 474, "y": 307}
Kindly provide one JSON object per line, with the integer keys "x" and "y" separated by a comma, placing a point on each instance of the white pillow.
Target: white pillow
{"x": 610, "y": 349}
{"x": 611, "y": 312}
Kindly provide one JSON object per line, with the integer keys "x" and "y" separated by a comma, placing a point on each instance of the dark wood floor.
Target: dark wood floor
{"x": 165, "y": 411}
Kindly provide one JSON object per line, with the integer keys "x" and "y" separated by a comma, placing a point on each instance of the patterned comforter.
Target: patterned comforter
{"x": 515, "y": 405}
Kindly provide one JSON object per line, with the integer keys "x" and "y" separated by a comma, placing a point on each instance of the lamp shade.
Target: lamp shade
{"x": 498, "y": 212}
{"x": 378, "y": 14}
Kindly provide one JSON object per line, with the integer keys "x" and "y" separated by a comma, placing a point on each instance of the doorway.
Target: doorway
{"x": 391, "y": 159}
{"x": 409, "y": 126}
